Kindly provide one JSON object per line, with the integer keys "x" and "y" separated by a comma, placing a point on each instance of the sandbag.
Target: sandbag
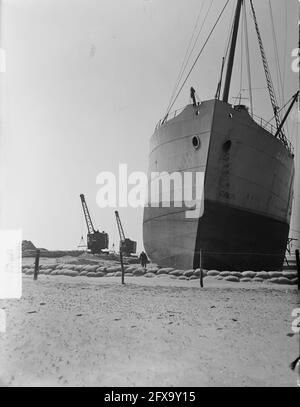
{"x": 152, "y": 270}
{"x": 237, "y": 274}
{"x": 258, "y": 279}
{"x": 275, "y": 274}
{"x": 289, "y": 274}
{"x": 83, "y": 273}
{"x": 232, "y": 279}
{"x": 284, "y": 280}
{"x": 176, "y": 273}
{"x": 149, "y": 275}
{"x": 139, "y": 272}
{"x": 69, "y": 273}
{"x": 245, "y": 280}
{"x": 280, "y": 280}
{"x": 263, "y": 274}
{"x": 166, "y": 270}
{"x": 213, "y": 273}
{"x": 54, "y": 272}
{"x": 101, "y": 269}
{"x": 131, "y": 269}
{"x": 249, "y": 274}
{"x": 225, "y": 273}
{"x": 188, "y": 273}
{"x": 113, "y": 269}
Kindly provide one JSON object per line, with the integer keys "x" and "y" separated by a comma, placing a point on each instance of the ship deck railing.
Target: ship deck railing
{"x": 264, "y": 124}
{"x": 271, "y": 129}
{"x": 169, "y": 116}
{"x": 259, "y": 120}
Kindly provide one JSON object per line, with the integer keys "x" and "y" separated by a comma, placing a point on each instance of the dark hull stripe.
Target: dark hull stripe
{"x": 233, "y": 239}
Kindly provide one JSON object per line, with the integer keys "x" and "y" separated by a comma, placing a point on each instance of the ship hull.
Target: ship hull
{"x": 247, "y": 196}
{"x": 249, "y": 242}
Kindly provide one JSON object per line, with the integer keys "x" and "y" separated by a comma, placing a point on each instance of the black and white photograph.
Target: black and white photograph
{"x": 149, "y": 196}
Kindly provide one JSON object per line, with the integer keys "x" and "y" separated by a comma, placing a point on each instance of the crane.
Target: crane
{"x": 96, "y": 241}
{"x": 127, "y": 246}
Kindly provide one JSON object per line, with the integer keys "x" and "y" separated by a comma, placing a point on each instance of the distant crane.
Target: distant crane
{"x": 96, "y": 241}
{"x": 127, "y": 246}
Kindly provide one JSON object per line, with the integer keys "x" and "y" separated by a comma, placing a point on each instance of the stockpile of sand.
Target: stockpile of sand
{"x": 29, "y": 249}
{"x": 27, "y": 245}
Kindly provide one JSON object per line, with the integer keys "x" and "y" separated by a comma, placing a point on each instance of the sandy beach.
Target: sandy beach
{"x": 149, "y": 332}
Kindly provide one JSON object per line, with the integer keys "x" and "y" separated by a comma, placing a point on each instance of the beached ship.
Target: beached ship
{"x": 248, "y": 168}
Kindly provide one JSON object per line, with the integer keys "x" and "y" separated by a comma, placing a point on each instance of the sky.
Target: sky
{"x": 86, "y": 81}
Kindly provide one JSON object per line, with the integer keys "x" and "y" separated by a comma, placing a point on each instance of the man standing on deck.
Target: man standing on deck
{"x": 193, "y": 96}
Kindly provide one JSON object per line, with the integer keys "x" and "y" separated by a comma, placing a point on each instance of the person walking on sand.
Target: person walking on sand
{"x": 143, "y": 259}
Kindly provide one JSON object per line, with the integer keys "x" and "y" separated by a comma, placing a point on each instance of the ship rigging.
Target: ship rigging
{"x": 278, "y": 128}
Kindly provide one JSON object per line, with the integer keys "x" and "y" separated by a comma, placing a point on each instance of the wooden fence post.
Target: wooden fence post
{"x": 298, "y": 267}
{"x": 122, "y": 264}
{"x": 36, "y": 265}
{"x": 201, "y": 269}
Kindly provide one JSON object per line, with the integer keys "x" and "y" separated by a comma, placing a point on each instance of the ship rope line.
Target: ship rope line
{"x": 196, "y": 60}
{"x": 285, "y": 40}
{"x": 283, "y": 107}
{"x": 280, "y": 84}
{"x": 280, "y": 133}
{"x": 189, "y": 51}
{"x": 246, "y": 35}
{"x": 218, "y": 91}
{"x": 276, "y": 54}
{"x": 279, "y": 111}
{"x": 270, "y": 85}
{"x": 181, "y": 71}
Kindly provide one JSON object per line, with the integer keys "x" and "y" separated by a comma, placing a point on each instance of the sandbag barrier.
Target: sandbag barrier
{"x": 288, "y": 277}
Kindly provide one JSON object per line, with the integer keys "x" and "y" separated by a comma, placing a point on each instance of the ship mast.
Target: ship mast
{"x": 232, "y": 50}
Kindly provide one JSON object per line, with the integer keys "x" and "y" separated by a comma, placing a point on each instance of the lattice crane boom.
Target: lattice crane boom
{"x": 120, "y": 227}
{"x": 87, "y": 215}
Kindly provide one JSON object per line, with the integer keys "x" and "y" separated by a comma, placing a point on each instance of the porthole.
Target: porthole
{"x": 227, "y": 145}
{"x": 196, "y": 142}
